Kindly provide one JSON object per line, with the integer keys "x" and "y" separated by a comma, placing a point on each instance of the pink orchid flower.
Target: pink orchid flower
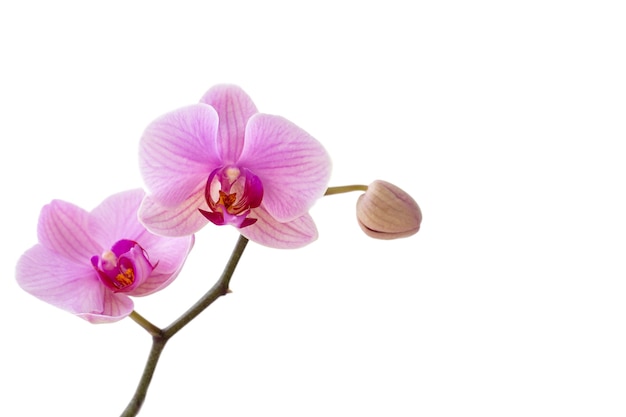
{"x": 88, "y": 263}
{"x": 221, "y": 161}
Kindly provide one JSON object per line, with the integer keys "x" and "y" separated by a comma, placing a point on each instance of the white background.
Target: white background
{"x": 504, "y": 120}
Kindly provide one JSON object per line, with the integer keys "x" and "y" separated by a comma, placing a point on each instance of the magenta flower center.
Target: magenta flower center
{"x": 231, "y": 193}
{"x": 124, "y": 267}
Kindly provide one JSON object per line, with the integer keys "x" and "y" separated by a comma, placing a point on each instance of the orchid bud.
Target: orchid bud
{"x": 387, "y": 212}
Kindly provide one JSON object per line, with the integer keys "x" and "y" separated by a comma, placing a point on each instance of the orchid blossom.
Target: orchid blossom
{"x": 221, "y": 161}
{"x": 88, "y": 263}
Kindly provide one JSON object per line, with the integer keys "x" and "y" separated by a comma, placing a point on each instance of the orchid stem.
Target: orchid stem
{"x": 220, "y": 288}
{"x": 133, "y": 407}
{"x": 345, "y": 189}
{"x": 161, "y": 336}
{"x": 150, "y": 328}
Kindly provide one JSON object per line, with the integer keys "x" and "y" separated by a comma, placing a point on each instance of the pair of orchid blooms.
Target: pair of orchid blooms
{"x": 219, "y": 161}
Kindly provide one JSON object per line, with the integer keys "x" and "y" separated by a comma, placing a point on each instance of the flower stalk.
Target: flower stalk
{"x": 345, "y": 189}
{"x": 161, "y": 336}
{"x": 149, "y": 327}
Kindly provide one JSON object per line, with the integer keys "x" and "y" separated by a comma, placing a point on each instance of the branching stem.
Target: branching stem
{"x": 161, "y": 336}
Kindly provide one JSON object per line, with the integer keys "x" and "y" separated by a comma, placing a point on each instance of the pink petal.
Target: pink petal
{"x": 234, "y": 108}
{"x": 116, "y": 218}
{"x": 169, "y": 255}
{"x": 116, "y": 307}
{"x": 54, "y": 279}
{"x": 178, "y": 151}
{"x": 181, "y": 220}
{"x": 269, "y": 232}
{"x": 293, "y": 167}
{"x": 64, "y": 229}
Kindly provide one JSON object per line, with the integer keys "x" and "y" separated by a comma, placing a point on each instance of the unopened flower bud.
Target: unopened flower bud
{"x": 387, "y": 212}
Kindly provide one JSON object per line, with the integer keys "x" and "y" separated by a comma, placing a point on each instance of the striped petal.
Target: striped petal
{"x": 178, "y": 151}
{"x": 65, "y": 229}
{"x": 116, "y": 307}
{"x": 168, "y": 254}
{"x": 293, "y": 166}
{"x": 116, "y": 218}
{"x": 181, "y": 220}
{"x": 269, "y": 232}
{"x": 234, "y": 107}
{"x": 56, "y": 280}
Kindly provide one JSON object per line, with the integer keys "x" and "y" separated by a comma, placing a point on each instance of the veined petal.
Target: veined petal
{"x": 64, "y": 229}
{"x": 116, "y": 217}
{"x": 116, "y": 307}
{"x": 293, "y": 166}
{"x": 56, "y": 280}
{"x": 234, "y": 108}
{"x": 181, "y": 220}
{"x": 178, "y": 151}
{"x": 169, "y": 255}
{"x": 269, "y": 232}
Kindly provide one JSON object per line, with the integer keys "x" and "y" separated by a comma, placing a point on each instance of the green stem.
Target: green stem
{"x": 150, "y": 328}
{"x": 161, "y": 336}
{"x": 220, "y": 288}
{"x": 345, "y": 189}
{"x": 133, "y": 407}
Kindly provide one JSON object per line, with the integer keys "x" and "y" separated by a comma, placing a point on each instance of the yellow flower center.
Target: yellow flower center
{"x": 126, "y": 277}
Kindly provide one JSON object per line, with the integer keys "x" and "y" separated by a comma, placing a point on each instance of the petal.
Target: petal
{"x": 116, "y": 218}
{"x": 234, "y": 108}
{"x": 70, "y": 286}
{"x": 293, "y": 167}
{"x": 178, "y": 151}
{"x": 168, "y": 254}
{"x": 181, "y": 220}
{"x": 267, "y": 231}
{"x": 64, "y": 229}
{"x": 116, "y": 307}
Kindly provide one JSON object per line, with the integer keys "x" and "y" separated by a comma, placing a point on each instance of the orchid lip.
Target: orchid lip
{"x": 231, "y": 193}
{"x": 123, "y": 267}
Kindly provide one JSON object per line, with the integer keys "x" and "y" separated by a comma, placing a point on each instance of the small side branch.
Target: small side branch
{"x": 345, "y": 189}
{"x": 150, "y": 328}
